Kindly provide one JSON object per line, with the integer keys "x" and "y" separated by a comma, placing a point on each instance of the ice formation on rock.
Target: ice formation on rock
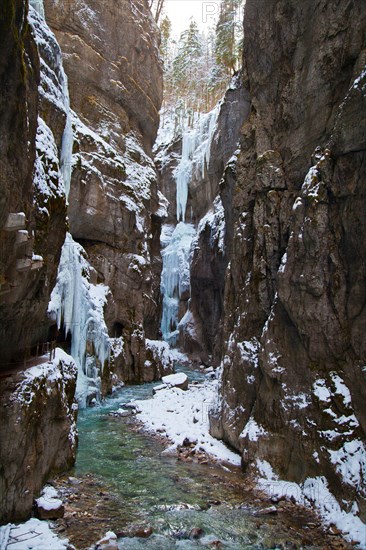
{"x": 77, "y": 307}
{"x": 196, "y": 148}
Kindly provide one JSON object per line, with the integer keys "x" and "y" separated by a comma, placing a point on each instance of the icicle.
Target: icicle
{"x": 196, "y": 149}
{"x": 67, "y": 139}
{"x": 176, "y": 243}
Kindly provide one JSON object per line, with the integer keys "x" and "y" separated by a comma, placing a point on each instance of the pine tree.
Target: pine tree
{"x": 189, "y": 52}
{"x": 227, "y": 29}
{"x": 193, "y": 79}
{"x": 165, "y": 30}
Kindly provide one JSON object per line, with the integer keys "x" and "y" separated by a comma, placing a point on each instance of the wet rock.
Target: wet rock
{"x": 48, "y": 505}
{"x": 188, "y": 442}
{"x": 271, "y": 510}
{"x": 196, "y": 533}
{"x": 128, "y": 406}
{"x": 215, "y": 544}
{"x": 214, "y": 502}
{"x": 46, "y": 512}
{"x": 123, "y": 413}
{"x": 142, "y": 532}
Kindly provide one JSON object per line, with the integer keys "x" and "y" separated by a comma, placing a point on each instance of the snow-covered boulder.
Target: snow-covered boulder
{"x": 48, "y": 505}
{"x": 38, "y": 431}
{"x": 179, "y": 380}
{"x": 158, "y": 360}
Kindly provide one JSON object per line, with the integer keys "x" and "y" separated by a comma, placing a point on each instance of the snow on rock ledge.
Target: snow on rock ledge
{"x": 38, "y": 413}
{"x": 158, "y": 359}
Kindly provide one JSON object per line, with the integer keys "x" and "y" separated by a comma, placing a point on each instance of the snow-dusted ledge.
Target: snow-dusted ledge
{"x": 314, "y": 492}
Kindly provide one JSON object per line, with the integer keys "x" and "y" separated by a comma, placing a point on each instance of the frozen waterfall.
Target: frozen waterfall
{"x": 77, "y": 306}
{"x": 196, "y": 149}
{"x": 41, "y": 31}
{"x": 38, "y": 6}
{"x": 176, "y": 243}
{"x": 67, "y": 140}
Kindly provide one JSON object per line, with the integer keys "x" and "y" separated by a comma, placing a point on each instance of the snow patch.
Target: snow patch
{"x": 31, "y": 535}
{"x": 350, "y": 462}
{"x": 252, "y": 430}
{"x": 314, "y": 492}
{"x": 49, "y": 499}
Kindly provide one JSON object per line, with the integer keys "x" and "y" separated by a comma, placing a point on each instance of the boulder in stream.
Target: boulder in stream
{"x": 178, "y": 380}
{"x": 48, "y": 505}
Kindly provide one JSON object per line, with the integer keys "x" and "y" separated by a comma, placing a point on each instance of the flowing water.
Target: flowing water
{"x": 135, "y": 484}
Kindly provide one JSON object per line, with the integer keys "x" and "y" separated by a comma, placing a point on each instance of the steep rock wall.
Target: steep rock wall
{"x": 210, "y": 256}
{"x": 295, "y": 287}
{"x": 38, "y": 431}
{"x": 33, "y": 207}
{"x": 111, "y": 58}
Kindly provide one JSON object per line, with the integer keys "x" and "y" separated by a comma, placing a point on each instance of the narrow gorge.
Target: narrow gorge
{"x": 183, "y": 267}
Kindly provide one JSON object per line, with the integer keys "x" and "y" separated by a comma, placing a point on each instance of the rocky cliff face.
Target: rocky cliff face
{"x": 113, "y": 205}
{"x": 293, "y": 366}
{"x": 210, "y": 256}
{"x": 115, "y": 81}
{"x": 37, "y": 414}
{"x": 33, "y": 209}
{"x": 38, "y": 431}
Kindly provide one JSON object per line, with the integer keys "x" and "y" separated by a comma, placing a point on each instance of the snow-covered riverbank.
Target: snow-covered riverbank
{"x": 183, "y": 415}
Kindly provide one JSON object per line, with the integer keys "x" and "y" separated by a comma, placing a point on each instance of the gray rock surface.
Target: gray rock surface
{"x": 294, "y": 305}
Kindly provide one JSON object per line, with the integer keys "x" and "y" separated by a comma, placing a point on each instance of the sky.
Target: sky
{"x": 204, "y": 12}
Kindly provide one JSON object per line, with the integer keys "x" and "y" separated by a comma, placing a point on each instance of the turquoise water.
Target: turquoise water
{"x": 162, "y": 492}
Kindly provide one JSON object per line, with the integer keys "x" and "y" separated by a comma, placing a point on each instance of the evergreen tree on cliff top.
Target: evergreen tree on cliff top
{"x": 227, "y": 30}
